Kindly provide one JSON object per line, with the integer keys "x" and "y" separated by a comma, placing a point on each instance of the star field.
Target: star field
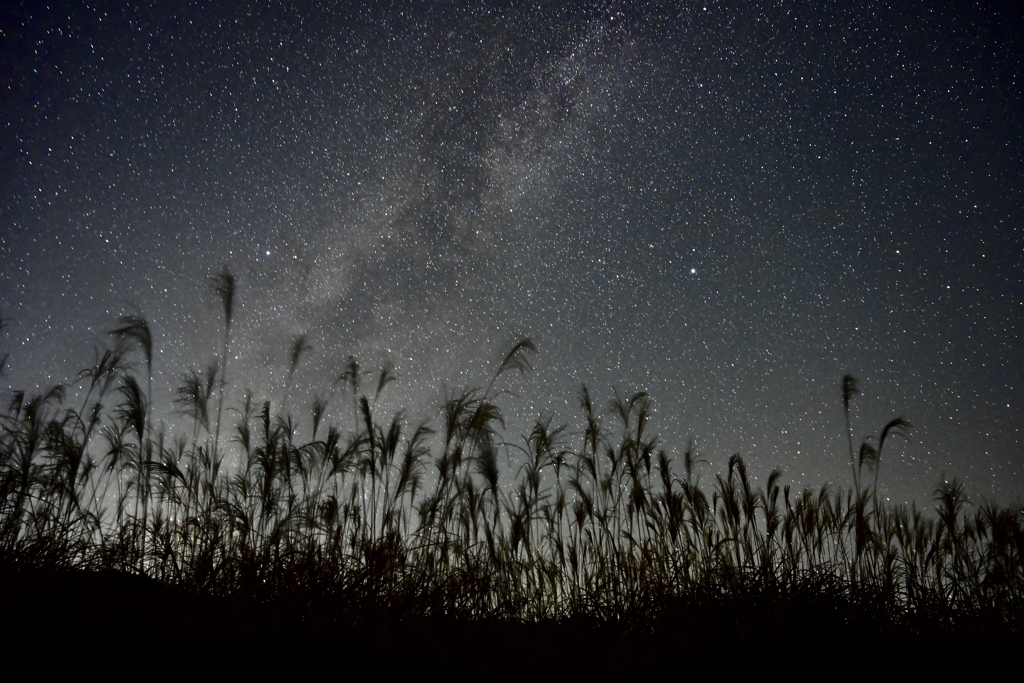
{"x": 727, "y": 208}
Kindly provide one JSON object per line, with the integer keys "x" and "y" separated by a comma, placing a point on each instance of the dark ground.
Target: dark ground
{"x": 75, "y": 619}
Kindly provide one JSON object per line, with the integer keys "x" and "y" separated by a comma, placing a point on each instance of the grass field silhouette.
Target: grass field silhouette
{"x": 595, "y": 553}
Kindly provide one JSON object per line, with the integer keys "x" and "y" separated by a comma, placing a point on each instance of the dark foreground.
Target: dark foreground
{"x": 65, "y": 620}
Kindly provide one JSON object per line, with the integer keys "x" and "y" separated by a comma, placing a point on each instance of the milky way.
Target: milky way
{"x": 729, "y": 209}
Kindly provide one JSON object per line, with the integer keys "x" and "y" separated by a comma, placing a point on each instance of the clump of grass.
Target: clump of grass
{"x": 594, "y": 524}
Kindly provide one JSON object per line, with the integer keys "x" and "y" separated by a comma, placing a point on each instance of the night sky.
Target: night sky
{"x": 727, "y": 208}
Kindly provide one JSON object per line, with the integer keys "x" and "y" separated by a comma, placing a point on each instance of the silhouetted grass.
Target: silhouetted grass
{"x": 368, "y": 531}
